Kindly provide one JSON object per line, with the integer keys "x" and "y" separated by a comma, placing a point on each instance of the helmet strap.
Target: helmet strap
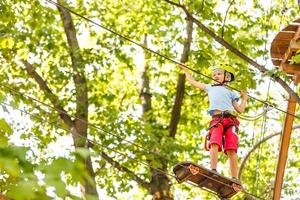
{"x": 224, "y": 79}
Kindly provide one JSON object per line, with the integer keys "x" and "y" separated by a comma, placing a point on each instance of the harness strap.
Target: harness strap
{"x": 221, "y": 116}
{"x": 234, "y": 124}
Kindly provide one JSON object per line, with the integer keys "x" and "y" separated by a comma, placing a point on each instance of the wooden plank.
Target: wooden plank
{"x": 292, "y": 27}
{"x": 296, "y": 78}
{"x": 284, "y": 45}
{"x": 297, "y": 20}
{"x": 279, "y": 48}
{"x": 293, "y": 47}
{"x": 281, "y": 42}
{"x": 224, "y": 187}
{"x": 284, "y": 147}
{"x": 285, "y": 35}
{"x": 276, "y": 56}
{"x": 276, "y": 61}
{"x": 290, "y": 68}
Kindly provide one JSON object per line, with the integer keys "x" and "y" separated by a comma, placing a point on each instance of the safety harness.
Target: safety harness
{"x": 224, "y": 114}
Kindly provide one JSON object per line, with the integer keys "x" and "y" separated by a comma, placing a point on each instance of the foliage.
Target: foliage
{"x": 296, "y": 58}
{"x": 32, "y": 30}
{"x": 21, "y": 178}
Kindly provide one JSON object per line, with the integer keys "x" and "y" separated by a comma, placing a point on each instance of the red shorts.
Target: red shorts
{"x": 224, "y": 134}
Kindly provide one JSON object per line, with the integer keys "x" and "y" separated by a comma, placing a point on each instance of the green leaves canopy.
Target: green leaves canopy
{"x": 32, "y": 30}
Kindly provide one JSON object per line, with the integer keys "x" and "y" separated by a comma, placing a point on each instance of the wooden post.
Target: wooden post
{"x": 284, "y": 148}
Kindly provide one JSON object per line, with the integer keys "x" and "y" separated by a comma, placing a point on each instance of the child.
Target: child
{"x": 224, "y": 125}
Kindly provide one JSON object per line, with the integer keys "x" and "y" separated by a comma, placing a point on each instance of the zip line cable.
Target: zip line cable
{"x": 266, "y": 108}
{"x": 91, "y": 125}
{"x": 160, "y": 54}
{"x": 120, "y": 153}
{"x": 111, "y": 149}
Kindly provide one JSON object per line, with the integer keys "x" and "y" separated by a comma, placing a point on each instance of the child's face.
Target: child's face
{"x": 218, "y": 75}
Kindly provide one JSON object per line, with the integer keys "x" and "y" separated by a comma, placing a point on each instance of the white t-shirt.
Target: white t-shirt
{"x": 220, "y": 98}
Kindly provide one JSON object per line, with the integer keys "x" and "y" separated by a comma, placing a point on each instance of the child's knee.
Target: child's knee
{"x": 231, "y": 152}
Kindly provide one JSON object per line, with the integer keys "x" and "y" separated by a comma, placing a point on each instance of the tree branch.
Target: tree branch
{"x": 175, "y": 4}
{"x": 225, "y": 18}
{"x": 256, "y": 145}
{"x": 78, "y": 73}
{"x": 121, "y": 168}
{"x": 81, "y": 120}
{"x": 234, "y": 50}
{"x": 49, "y": 94}
{"x": 176, "y": 111}
{"x": 145, "y": 94}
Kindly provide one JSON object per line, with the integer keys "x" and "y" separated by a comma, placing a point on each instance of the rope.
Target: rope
{"x": 104, "y": 146}
{"x": 263, "y": 125}
{"x": 81, "y": 120}
{"x": 160, "y": 54}
{"x": 263, "y": 129}
{"x": 266, "y": 108}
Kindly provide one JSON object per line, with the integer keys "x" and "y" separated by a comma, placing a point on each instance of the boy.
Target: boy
{"x": 224, "y": 125}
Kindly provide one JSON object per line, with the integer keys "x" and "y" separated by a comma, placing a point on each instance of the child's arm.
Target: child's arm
{"x": 191, "y": 80}
{"x": 241, "y": 108}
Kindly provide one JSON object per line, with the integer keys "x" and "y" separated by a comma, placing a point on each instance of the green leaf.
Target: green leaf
{"x": 23, "y": 190}
{"x": 4, "y": 126}
{"x": 10, "y": 165}
{"x": 82, "y": 152}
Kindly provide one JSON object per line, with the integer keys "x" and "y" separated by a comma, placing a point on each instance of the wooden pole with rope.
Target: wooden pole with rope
{"x": 284, "y": 148}
{"x": 284, "y": 46}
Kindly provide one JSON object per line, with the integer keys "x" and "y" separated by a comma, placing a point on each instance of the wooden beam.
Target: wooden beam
{"x": 285, "y": 35}
{"x": 276, "y": 61}
{"x": 292, "y": 27}
{"x": 284, "y": 147}
{"x": 279, "y": 49}
{"x": 290, "y": 68}
{"x": 294, "y": 44}
{"x": 280, "y": 42}
{"x": 296, "y": 78}
{"x": 276, "y": 55}
{"x": 293, "y": 47}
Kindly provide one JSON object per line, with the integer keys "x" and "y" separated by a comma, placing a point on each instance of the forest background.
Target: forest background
{"x": 87, "y": 114}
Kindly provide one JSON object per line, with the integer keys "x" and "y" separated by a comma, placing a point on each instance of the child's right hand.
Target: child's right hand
{"x": 182, "y": 67}
{"x": 244, "y": 95}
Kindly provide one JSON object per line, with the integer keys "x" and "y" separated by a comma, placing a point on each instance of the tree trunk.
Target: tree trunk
{"x": 79, "y": 130}
{"x": 176, "y": 111}
{"x": 160, "y": 183}
{"x": 145, "y": 94}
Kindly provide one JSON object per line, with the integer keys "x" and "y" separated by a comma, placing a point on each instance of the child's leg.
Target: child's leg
{"x": 214, "y": 149}
{"x": 233, "y": 162}
{"x": 216, "y": 135}
{"x": 230, "y": 147}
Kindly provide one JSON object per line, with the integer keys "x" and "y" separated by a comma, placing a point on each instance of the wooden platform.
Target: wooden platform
{"x": 224, "y": 187}
{"x": 284, "y": 46}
